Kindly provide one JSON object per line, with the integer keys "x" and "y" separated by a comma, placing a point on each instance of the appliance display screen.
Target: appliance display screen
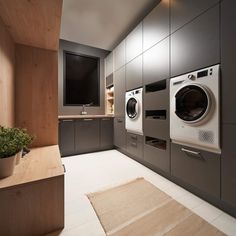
{"x": 202, "y": 73}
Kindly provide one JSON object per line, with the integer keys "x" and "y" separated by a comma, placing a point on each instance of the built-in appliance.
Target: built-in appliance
{"x": 194, "y": 109}
{"x": 134, "y": 111}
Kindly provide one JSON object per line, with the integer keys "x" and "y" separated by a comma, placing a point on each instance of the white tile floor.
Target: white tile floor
{"x": 95, "y": 171}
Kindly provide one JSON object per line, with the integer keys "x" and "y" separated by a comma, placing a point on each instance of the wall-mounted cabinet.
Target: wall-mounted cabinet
{"x": 134, "y": 78}
{"x": 197, "y": 44}
{"x": 200, "y": 169}
{"x": 119, "y": 92}
{"x": 134, "y": 43}
{"x": 109, "y": 64}
{"x": 156, "y": 62}
{"x": 156, "y": 25}
{"x": 184, "y": 11}
{"x": 119, "y": 56}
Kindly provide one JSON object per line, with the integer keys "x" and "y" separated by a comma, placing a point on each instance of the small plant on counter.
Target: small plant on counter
{"x": 12, "y": 141}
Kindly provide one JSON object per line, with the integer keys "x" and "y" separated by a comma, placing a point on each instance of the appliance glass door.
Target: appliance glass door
{"x": 192, "y": 103}
{"x": 131, "y": 109}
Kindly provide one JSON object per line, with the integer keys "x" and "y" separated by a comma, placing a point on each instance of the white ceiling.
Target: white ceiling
{"x": 101, "y": 23}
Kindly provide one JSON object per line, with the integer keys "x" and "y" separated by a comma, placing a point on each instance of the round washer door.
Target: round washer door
{"x": 192, "y": 103}
{"x": 132, "y": 108}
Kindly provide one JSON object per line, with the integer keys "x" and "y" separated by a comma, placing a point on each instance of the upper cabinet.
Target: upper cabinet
{"x": 156, "y": 25}
{"x": 134, "y": 43}
{"x": 109, "y": 64}
{"x": 184, "y": 11}
{"x": 119, "y": 56}
{"x": 33, "y": 23}
{"x": 197, "y": 44}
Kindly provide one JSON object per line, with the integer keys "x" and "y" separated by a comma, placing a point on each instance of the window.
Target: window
{"x": 81, "y": 80}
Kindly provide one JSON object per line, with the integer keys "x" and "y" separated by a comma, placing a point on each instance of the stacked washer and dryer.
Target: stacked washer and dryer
{"x": 195, "y": 109}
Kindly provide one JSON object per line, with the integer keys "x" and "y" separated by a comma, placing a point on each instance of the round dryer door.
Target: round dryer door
{"x": 192, "y": 103}
{"x": 131, "y": 108}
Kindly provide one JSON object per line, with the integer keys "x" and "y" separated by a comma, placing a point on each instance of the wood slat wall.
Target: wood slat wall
{"x": 7, "y": 63}
{"x": 33, "y": 22}
{"x": 36, "y": 104}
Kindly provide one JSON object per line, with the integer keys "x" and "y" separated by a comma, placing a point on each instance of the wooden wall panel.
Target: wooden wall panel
{"x": 37, "y": 93}
{"x": 7, "y": 62}
{"x": 33, "y": 22}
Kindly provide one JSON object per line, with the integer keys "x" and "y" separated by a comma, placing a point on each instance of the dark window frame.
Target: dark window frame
{"x": 64, "y": 77}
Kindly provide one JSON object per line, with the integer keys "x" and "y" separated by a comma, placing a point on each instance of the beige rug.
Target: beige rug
{"x": 138, "y": 208}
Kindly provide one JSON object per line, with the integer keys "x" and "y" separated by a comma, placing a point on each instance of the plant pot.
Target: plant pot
{"x": 7, "y": 166}
{"x": 18, "y": 156}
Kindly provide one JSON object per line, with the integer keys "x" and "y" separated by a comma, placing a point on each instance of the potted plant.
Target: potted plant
{"x": 24, "y": 140}
{"x": 12, "y": 141}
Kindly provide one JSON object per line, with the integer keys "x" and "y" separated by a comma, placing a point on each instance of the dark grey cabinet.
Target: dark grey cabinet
{"x": 156, "y": 63}
{"x": 156, "y": 25}
{"x": 197, "y": 168}
{"x": 67, "y": 136}
{"x": 119, "y": 92}
{"x": 184, "y": 11}
{"x": 134, "y": 73}
{"x": 228, "y": 172}
{"x": 157, "y": 153}
{"x": 134, "y": 43}
{"x": 135, "y": 145}
{"x": 197, "y": 44}
{"x": 119, "y": 56}
{"x": 86, "y": 135}
{"x": 228, "y": 58}
{"x": 120, "y": 133}
{"x": 106, "y": 133}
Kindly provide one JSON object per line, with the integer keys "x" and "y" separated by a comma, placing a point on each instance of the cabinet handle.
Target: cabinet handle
{"x": 119, "y": 121}
{"x": 134, "y": 137}
{"x": 191, "y": 152}
{"x": 64, "y": 168}
{"x": 87, "y": 119}
{"x": 105, "y": 118}
{"x": 133, "y": 144}
{"x": 67, "y": 120}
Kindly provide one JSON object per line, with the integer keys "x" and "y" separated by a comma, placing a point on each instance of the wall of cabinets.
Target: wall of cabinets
{"x": 178, "y": 37}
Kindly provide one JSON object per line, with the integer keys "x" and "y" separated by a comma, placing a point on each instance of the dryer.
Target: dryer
{"x": 134, "y": 111}
{"x": 195, "y": 109}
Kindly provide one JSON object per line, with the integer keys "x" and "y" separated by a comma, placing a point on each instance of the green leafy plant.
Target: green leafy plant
{"x": 13, "y": 140}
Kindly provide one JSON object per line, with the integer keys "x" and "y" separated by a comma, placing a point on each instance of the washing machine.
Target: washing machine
{"x": 195, "y": 109}
{"x": 134, "y": 111}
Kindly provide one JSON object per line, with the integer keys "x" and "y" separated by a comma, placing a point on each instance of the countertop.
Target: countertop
{"x": 83, "y": 116}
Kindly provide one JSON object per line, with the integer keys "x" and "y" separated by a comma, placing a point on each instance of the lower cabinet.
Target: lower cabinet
{"x": 157, "y": 153}
{"x": 120, "y": 133}
{"x": 67, "y": 137}
{"x": 200, "y": 169}
{"x": 135, "y": 145}
{"x": 85, "y": 135}
{"x": 106, "y": 133}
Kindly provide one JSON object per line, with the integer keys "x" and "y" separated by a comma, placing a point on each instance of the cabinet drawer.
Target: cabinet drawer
{"x": 158, "y": 157}
{"x": 120, "y": 133}
{"x": 156, "y": 128}
{"x": 200, "y": 169}
{"x": 135, "y": 145}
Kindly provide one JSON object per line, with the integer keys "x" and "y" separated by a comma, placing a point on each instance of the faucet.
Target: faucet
{"x": 83, "y": 112}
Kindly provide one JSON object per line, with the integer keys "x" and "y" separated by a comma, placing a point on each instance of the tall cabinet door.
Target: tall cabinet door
{"x": 119, "y": 56}
{"x": 156, "y": 25}
{"x": 119, "y": 133}
{"x": 196, "y": 45}
{"x": 119, "y": 92}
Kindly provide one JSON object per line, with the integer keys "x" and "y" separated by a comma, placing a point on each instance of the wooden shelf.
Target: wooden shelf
{"x": 41, "y": 163}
